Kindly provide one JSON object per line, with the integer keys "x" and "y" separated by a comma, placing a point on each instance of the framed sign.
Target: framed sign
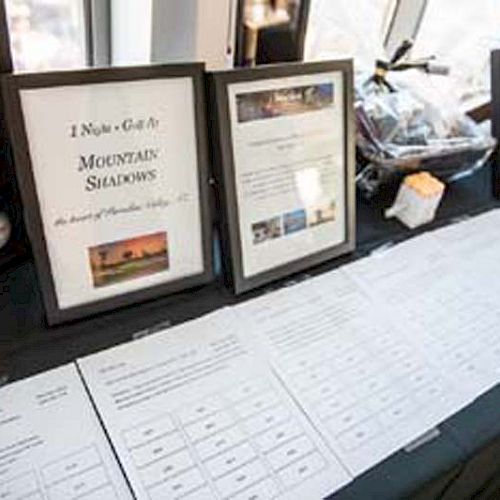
{"x": 113, "y": 170}
{"x": 285, "y": 167}
{"x": 495, "y": 116}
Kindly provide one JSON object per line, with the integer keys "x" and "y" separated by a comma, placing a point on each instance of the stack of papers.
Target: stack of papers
{"x": 291, "y": 395}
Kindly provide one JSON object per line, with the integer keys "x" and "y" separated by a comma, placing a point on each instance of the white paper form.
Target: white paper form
{"x": 406, "y": 269}
{"x": 52, "y": 446}
{"x": 475, "y": 243}
{"x": 442, "y": 289}
{"x": 471, "y": 237}
{"x": 192, "y": 414}
{"x": 359, "y": 378}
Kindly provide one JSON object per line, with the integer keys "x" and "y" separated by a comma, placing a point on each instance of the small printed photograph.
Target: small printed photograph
{"x": 266, "y": 230}
{"x": 321, "y": 214}
{"x": 284, "y": 102}
{"x": 125, "y": 260}
{"x": 295, "y": 221}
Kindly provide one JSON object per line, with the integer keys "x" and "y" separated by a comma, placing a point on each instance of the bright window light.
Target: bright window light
{"x": 46, "y": 34}
{"x": 347, "y": 28}
{"x": 461, "y": 34}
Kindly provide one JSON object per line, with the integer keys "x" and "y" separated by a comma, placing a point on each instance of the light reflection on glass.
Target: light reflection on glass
{"x": 310, "y": 186}
{"x": 46, "y": 34}
{"x": 463, "y": 42}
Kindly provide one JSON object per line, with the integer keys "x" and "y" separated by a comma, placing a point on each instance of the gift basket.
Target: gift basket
{"x": 401, "y": 129}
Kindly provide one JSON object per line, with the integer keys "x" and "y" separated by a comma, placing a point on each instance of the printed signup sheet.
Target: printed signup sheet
{"x": 443, "y": 289}
{"x": 52, "y": 446}
{"x": 391, "y": 345}
{"x": 368, "y": 390}
{"x": 193, "y": 414}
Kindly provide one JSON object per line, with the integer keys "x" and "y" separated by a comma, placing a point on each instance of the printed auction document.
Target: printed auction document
{"x": 116, "y": 171}
{"x": 288, "y": 138}
{"x": 192, "y": 414}
{"x": 365, "y": 385}
{"x": 444, "y": 290}
{"x": 52, "y": 446}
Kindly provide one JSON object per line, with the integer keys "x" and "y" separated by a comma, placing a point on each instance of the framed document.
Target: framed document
{"x": 113, "y": 170}
{"x": 285, "y": 167}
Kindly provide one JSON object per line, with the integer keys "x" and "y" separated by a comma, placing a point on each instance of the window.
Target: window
{"x": 347, "y": 28}
{"x": 47, "y": 34}
{"x": 461, "y": 34}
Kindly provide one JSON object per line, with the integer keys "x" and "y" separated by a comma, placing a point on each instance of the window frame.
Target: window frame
{"x": 406, "y": 17}
{"x": 97, "y": 21}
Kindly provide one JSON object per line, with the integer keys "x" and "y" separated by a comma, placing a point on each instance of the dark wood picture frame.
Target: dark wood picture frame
{"x": 11, "y": 86}
{"x": 224, "y": 170}
{"x": 495, "y": 117}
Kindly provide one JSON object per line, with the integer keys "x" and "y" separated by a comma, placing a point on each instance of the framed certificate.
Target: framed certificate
{"x": 113, "y": 170}
{"x": 285, "y": 166}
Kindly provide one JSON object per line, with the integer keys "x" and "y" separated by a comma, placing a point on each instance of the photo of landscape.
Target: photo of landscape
{"x": 125, "y": 260}
{"x": 321, "y": 215}
{"x": 284, "y": 102}
{"x": 294, "y": 221}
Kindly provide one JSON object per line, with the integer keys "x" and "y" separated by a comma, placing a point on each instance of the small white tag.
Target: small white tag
{"x": 379, "y": 251}
{"x": 4, "y": 379}
{"x": 423, "y": 439}
{"x": 150, "y": 331}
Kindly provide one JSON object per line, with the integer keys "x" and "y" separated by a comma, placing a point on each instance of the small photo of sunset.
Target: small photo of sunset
{"x": 124, "y": 260}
